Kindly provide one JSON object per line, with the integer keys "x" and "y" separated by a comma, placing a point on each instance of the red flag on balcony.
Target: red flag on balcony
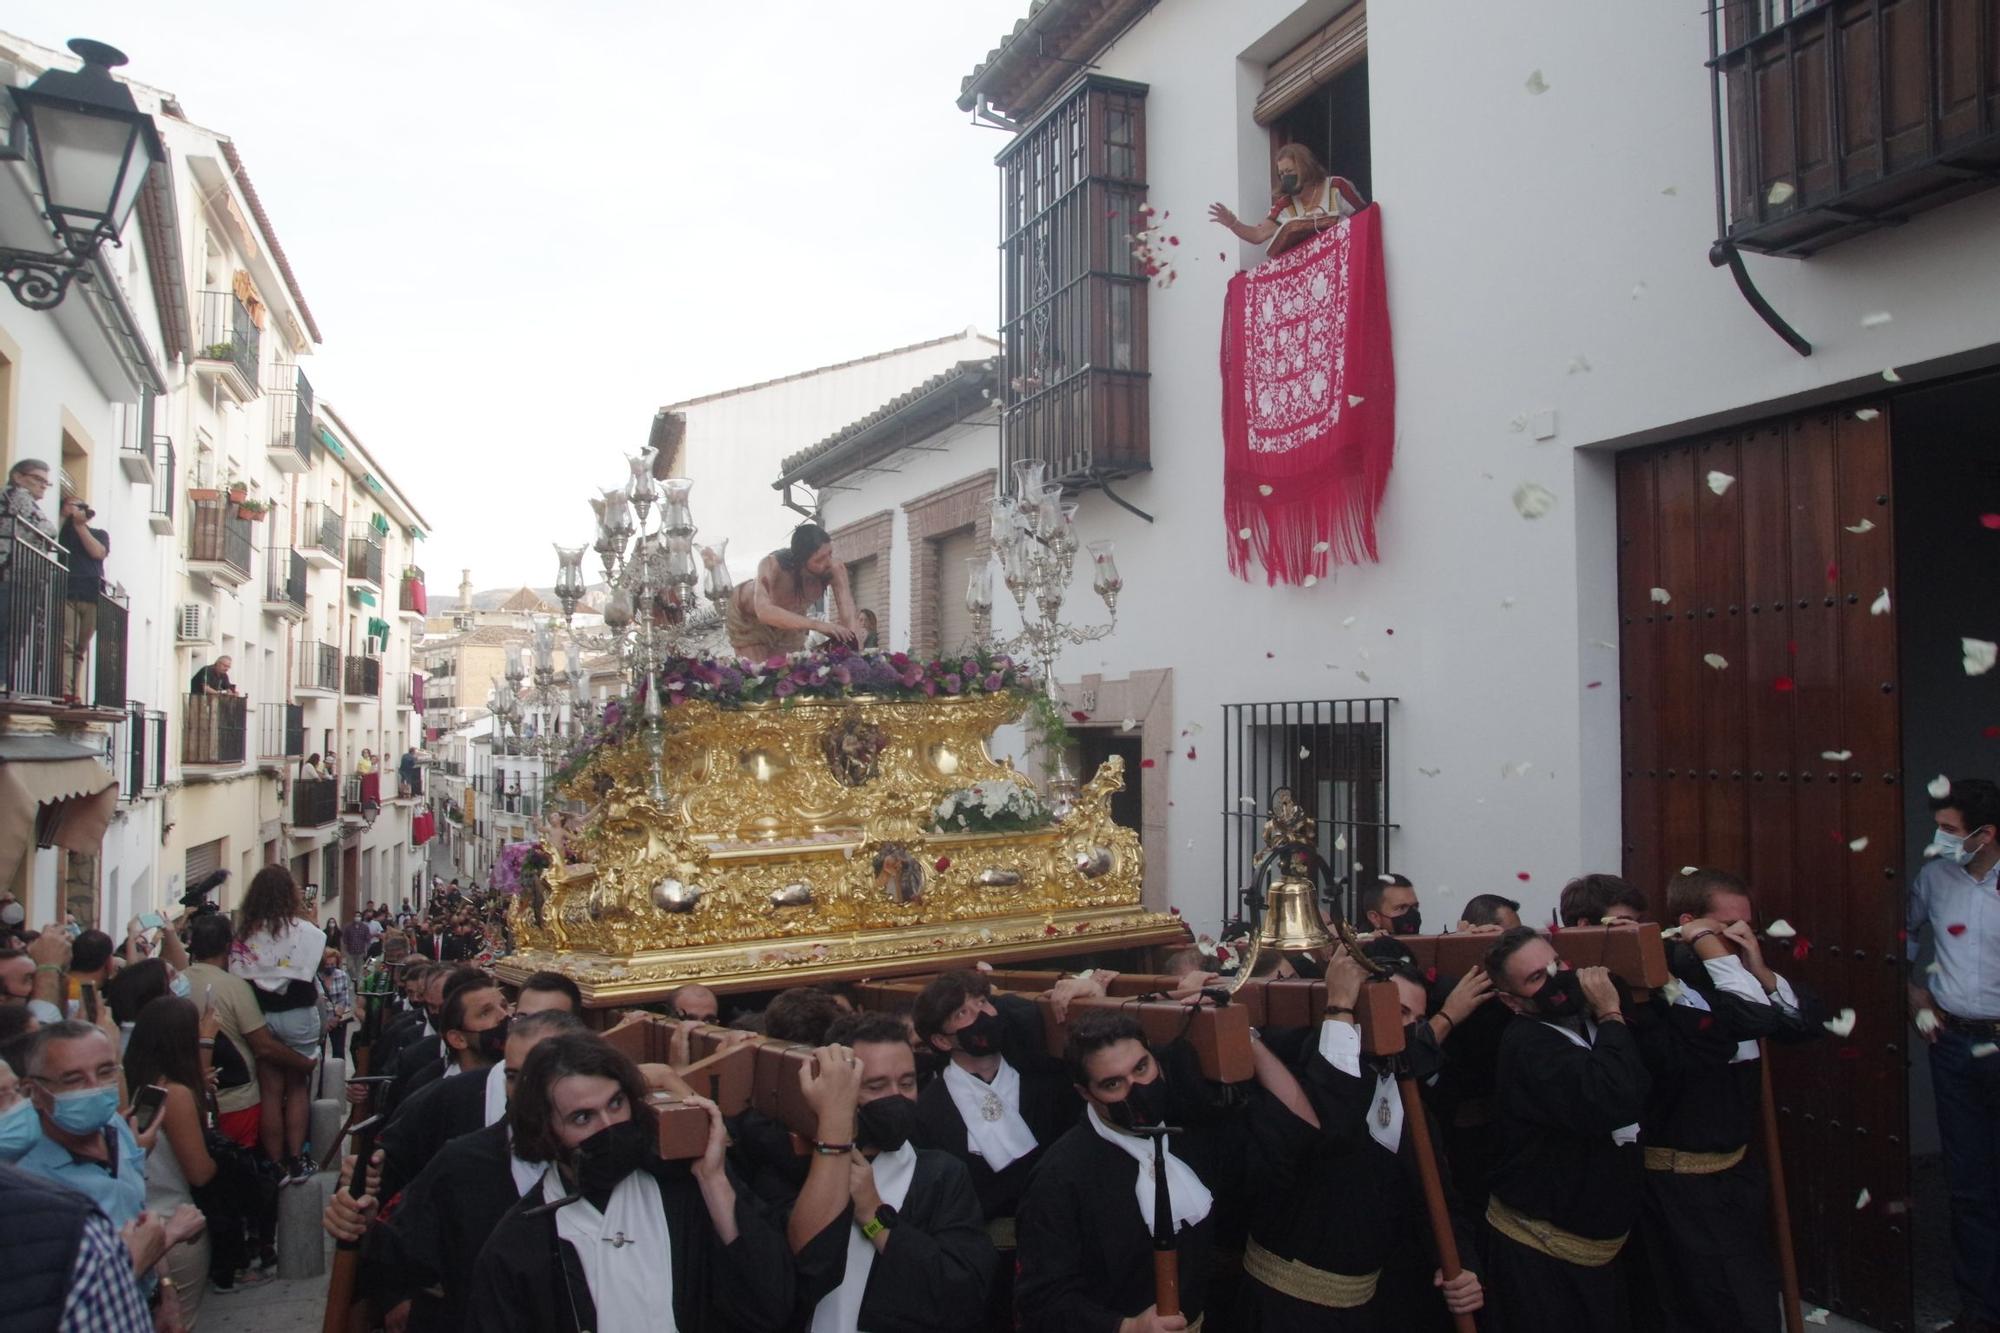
{"x": 371, "y": 789}
{"x": 423, "y": 827}
{"x": 1308, "y": 404}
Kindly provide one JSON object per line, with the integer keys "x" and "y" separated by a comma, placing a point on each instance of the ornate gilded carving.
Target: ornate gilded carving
{"x": 762, "y": 850}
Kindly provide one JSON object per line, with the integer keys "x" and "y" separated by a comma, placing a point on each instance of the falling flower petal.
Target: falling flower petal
{"x": 1248, "y": 801}
{"x": 1780, "y": 193}
{"x": 1243, "y": 534}
{"x": 1662, "y": 596}
{"x": 1858, "y": 845}
{"x": 1553, "y": 967}
{"x": 1079, "y": 715}
{"x": 1340, "y": 842}
{"x": 1309, "y": 580}
{"x": 1639, "y": 288}
{"x": 942, "y": 864}
{"x": 1984, "y": 1049}
{"x": 1880, "y": 606}
{"x": 1863, "y": 526}
{"x": 1671, "y": 933}
{"x": 1532, "y": 500}
{"x": 1522, "y": 875}
{"x": 1190, "y": 752}
{"x": 1578, "y": 364}
{"x": 1355, "y": 400}
{"x": 1838, "y": 756}
{"x": 1816, "y": 1315}
{"x": 1939, "y": 787}
{"x": 1780, "y": 929}
{"x": 1866, "y": 414}
{"x": 1783, "y": 684}
{"x": 1716, "y": 660}
{"x": 1991, "y": 522}
{"x": 1430, "y": 772}
{"x": 1719, "y": 482}
{"x": 1145, "y": 763}
{"x": 1955, "y": 929}
{"x": 1891, "y": 376}
{"x": 1841, "y": 1024}
{"x": 1127, "y": 724}
{"x": 1363, "y": 675}
{"x": 1927, "y": 1021}
{"x": 1876, "y": 320}
{"x": 1801, "y": 948}
{"x": 1264, "y": 489}
{"x": 1861, "y": 1199}
{"x": 1304, "y": 753}
{"x": 1979, "y": 655}
{"x": 1348, "y": 623}
{"x": 1673, "y": 990}
{"x": 1696, "y": 870}
{"x": 1537, "y": 85}
{"x": 1594, "y": 685}
{"x": 1321, "y": 548}
{"x": 1519, "y": 770}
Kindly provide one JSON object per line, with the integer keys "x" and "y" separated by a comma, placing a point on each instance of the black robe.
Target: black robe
{"x": 529, "y": 1280}
{"x": 1463, "y": 1098}
{"x": 418, "y": 1063}
{"x": 436, "y": 1113}
{"x": 936, "y": 1267}
{"x": 397, "y": 1032}
{"x": 432, "y": 1239}
{"x": 1559, "y": 1104}
{"x": 1703, "y": 1100}
{"x": 1334, "y": 1198}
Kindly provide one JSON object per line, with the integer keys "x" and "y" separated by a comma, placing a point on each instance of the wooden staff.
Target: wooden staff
{"x": 1418, "y": 1128}
{"x": 357, "y": 1114}
{"x": 1166, "y": 1243}
{"x": 340, "y": 1305}
{"x": 1781, "y": 1217}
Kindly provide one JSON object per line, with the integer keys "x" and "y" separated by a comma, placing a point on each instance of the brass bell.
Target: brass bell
{"x": 1292, "y": 920}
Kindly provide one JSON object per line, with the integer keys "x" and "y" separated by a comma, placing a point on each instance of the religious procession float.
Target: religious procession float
{"x": 813, "y": 815}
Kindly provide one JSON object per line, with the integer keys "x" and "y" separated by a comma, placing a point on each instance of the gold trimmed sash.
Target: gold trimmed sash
{"x": 1550, "y": 1239}
{"x": 1303, "y": 1282}
{"x": 1692, "y": 1163}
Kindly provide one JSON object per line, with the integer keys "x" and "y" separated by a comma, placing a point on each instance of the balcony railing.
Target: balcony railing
{"x": 33, "y": 582}
{"x": 364, "y": 677}
{"x": 285, "y": 579}
{"x": 139, "y": 752}
{"x": 411, "y": 597}
{"x": 407, "y": 688}
{"x": 364, "y": 556}
{"x": 165, "y": 486}
{"x": 319, "y": 667}
{"x": 1843, "y": 116}
{"x": 281, "y": 731}
{"x": 215, "y": 730}
{"x": 220, "y": 537}
{"x": 319, "y": 535}
{"x": 226, "y": 333}
{"x": 360, "y": 793}
{"x": 108, "y": 646}
{"x": 291, "y": 397}
{"x": 315, "y": 802}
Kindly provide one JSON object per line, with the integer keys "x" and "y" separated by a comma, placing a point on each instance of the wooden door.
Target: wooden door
{"x": 1761, "y": 735}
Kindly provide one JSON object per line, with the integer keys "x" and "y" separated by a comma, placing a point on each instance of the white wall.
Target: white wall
{"x": 736, "y": 442}
{"x": 1518, "y": 231}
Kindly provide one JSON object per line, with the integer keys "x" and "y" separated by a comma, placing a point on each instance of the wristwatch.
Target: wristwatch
{"x": 885, "y": 1217}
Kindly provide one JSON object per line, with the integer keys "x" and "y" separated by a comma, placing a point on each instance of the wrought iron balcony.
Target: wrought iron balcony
{"x": 165, "y": 486}
{"x": 364, "y": 556}
{"x": 139, "y": 752}
{"x": 292, "y": 434}
{"x": 315, "y": 802}
{"x": 363, "y": 679}
{"x": 107, "y": 649}
{"x": 319, "y": 668}
{"x": 219, "y": 541}
{"x": 281, "y": 731}
{"x": 320, "y": 538}
{"x": 32, "y": 586}
{"x": 228, "y": 344}
{"x": 215, "y": 731}
{"x": 411, "y": 599}
{"x": 285, "y": 583}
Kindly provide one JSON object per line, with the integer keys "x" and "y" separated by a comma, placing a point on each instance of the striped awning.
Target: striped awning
{"x": 53, "y": 793}
{"x": 362, "y": 595}
{"x": 332, "y": 445}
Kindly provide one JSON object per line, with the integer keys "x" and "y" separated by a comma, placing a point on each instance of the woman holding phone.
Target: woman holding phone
{"x": 168, "y": 1054}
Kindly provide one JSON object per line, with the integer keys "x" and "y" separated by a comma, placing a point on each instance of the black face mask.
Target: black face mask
{"x": 1420, "y": 1048}
{"x": 886, "y": 1123}
{"x": 1289, "y": 183}
{"x": 492, "y": 1043}
{"x": 1144, "y": 1104}
{"x": 1409, "y": 923}
{"x": 1560, "y": 997}
{"x": 981, "y": 1036}
{"x": 610, "y": 1155}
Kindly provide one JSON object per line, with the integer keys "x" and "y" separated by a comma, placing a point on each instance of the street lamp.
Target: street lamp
{"x": 90, "y": 148}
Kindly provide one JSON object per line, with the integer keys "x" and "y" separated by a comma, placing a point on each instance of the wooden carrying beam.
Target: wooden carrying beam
{"x": 1633, "y": 953}
{"x": 760, "y": 1073}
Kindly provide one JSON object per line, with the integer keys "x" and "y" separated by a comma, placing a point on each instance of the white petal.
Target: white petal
{"x": 1321, "y": 548}
{"x": 1780, "y": 929}
{"x": 1430, "y": 772}
{"x": 1696, "y": 870}
{"x": 1859, "y": 528}
{"x": 1639, "y": 288}
{"x": 1537, "y": 85}
{"x": 1880, "y": 606}
{"x": 1841, "y": 1024}
{"x": 1264, "y": 489}
{"x": 1671, "y": 189}
{"x": 1348, "y": 623}
{"x": 1984, "y": 1049}
{"x": 1243, "y": 533}
{"x": 1355, "y": 400}
{"x": 1363, "y": 676}
{"x": 1979, "y": 655}
{"x": 1662, "y": 596}
{"x": 1127, "y": 724}
{"x": 1861, "y": 1199}
{"x": 1716, "y": 660}
{"x": 1876, "y": 320}
{"x": 1891, "y": 376}
{"x": 1858, "y": 845}
{"x": 1939, "y": 787}
{"x": 1838, "y": 756}
{"x": 1816, "y": 1315}
{"x": 1671, "y": 933}
{"x": 1927, "y": 1021}
{"x": 1673, "y": 990}
{"x": 1578, "y": 364}
{"x": 1304, "y": 753}
{"x": 1720, "y": 482}
{"x": 1553, "y": 967}
{"x": 1866, "y": 414}
{"x": 1506, "y": 603}
{"x": 1250, "y": 801}
{"x": 1780, "y": 193}
{"x": 1340, "y": 843}
{"x": 1532, "y": 500}
{"x": 1309, "y": 580}
{"x": 1604, "y": 643}
{"x": 1519, "y": 770}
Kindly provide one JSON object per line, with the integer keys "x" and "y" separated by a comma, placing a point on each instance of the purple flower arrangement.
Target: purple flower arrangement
{"x": 520, "y": 865}
{"x": 837, "y": 672}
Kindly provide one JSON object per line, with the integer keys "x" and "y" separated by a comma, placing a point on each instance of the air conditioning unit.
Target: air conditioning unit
{"x": 197, "y": 623}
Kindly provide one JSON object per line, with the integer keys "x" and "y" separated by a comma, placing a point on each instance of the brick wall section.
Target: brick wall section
{"x": 859, "y": 540}
{"x": 963, "y": 504}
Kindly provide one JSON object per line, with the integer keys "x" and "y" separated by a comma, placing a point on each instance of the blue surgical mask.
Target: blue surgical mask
{"x": 1951, "y": 847}
{"x": 84, "y": 1111}
{"x": 20, "y": 1130}
{"x": 181, "y": 986}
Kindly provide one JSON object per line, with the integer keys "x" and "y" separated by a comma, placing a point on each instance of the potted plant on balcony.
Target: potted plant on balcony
{"x": 200, "y": 493}
{"x": 254, "y": 510}
{"x": 238, "y": 490}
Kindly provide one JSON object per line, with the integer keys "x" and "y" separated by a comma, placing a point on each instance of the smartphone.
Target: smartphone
{"x": 90, "y": 1002}
{"x": 146, "y": 1107}
{"x": 153, "y": 921}
{"x": 208, "y": 997}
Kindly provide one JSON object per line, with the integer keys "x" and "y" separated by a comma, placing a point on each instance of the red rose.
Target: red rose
{"x": 942, "y": 864}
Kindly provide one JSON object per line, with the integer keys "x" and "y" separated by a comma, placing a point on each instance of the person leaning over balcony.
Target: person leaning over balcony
{"x": 366, "y": 763}
{"x": 27, "y": 483}
{"x": 312, "y": 772}
{"x": 768, "y": 614}
{"x": 1307, "y": 194}
{"x": 87, "y": 548}
{"x": 214, "y": 678}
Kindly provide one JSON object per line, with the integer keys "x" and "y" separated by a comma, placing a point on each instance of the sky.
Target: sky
{"x": 522, "y": 228}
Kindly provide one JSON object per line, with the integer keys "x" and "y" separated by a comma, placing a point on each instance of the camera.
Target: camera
{"x": 88, "y": 512}
{"x": 196, "y": 898}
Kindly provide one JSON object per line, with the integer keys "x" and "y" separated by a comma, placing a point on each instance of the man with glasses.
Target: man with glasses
{"x": 86, "y": 1145}
{"x": 21, "y": 506}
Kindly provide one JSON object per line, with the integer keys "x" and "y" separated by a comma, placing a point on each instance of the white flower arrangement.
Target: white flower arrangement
{"x": 991, "y": 806}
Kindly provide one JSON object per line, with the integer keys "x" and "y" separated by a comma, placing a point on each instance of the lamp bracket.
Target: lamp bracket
{"x": 39, "y": 281}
